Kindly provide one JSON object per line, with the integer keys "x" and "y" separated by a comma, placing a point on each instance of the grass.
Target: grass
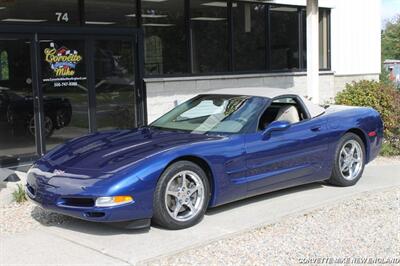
{"x": 19, "y": 195}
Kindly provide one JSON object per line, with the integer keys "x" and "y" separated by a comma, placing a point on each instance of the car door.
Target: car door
{"x": 289, "y": 157}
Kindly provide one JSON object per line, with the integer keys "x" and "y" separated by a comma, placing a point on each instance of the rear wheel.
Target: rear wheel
{"x": 181, "y": 196}
{"x": 349, "y": 161}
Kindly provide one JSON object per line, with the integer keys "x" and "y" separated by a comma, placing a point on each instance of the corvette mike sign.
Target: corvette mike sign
{"x": 63, "y": 63}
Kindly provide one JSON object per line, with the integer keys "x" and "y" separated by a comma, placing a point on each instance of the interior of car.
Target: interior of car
{"x": 283, "y": 109}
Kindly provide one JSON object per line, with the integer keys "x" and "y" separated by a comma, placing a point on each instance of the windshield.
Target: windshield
{"x": 212, "y": 113}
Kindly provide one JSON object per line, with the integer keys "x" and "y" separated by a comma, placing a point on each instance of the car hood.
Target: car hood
{"x": 111, "y": 150}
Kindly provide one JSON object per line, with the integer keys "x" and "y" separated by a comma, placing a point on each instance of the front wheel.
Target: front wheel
{"x": 349, "y": 161}
{"x": 181, "y": 196}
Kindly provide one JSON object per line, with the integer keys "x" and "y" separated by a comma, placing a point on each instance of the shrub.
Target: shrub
{"x": 19, "y": 195}
{"x": 384, "y": 98}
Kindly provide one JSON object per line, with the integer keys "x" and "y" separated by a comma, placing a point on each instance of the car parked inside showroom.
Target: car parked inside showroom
{"x": 216, "y": 148}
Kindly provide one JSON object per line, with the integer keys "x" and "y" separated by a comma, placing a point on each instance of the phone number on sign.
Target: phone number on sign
{"x": 66, "y": 84}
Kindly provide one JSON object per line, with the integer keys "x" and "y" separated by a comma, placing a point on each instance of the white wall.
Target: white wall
{"x": 356, "y": 37}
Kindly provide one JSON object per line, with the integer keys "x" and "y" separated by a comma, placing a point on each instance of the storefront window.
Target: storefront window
{"x": 303, "y": 59}
{"x": 209, "y": 36}
{"x": 17, "y": 123}
{"x": 249, "y": 36}
{"x": 110, "y": 12}
{"x": 4, "y": 66}
{"x": 323, "y": 38}
{"x": 165, "y": 40}
{"x": 115, "y": 84}
{"x": 284, "y": 38}
{"x": 40, "y": 11}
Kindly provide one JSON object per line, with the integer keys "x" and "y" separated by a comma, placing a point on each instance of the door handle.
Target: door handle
{"x": 316, "y": 128}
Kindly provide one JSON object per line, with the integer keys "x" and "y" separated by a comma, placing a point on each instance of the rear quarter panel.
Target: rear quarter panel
{"x": 360, "y": 120}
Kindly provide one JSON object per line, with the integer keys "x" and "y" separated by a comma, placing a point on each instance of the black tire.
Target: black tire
{"x": 161, "y": 215}
{"x": 337, "y": 178}
{"x": 49, "y": 127}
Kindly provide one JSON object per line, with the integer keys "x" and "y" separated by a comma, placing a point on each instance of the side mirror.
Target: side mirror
{"x": 276, "y": 126}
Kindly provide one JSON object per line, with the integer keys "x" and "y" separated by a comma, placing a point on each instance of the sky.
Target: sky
{"x": 389, "y": 9}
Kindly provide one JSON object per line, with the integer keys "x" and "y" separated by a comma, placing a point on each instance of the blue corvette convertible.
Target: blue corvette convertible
{"x": 213, "y": 149}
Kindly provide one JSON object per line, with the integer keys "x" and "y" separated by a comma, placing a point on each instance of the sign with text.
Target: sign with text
{"x": 63, "y": 63}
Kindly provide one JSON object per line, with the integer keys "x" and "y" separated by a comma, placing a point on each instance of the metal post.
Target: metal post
{"x": 313, "y": 50}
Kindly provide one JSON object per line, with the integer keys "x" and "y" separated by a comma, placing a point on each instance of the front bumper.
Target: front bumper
{"x": 49, "y": 197}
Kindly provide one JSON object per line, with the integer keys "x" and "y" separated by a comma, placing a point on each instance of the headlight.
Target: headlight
{"x": 113, "y": 201}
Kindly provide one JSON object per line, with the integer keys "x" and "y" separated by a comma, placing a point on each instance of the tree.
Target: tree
{"x": 391, "y": 39}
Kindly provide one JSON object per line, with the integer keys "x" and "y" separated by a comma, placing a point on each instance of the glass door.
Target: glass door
{"x": 88, "y": 84}
{"x": 55, "y": 87}
{"x": 17, "y": 115}
{"x": 64, "y": 88}
{"x": 115, "y": 84}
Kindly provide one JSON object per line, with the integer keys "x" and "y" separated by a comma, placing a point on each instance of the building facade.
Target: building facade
{"x": 393, "y": 68}
{"x": 72, "y": 67}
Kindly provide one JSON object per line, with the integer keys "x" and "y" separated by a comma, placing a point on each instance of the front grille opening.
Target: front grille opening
{"x": 94, "y": 214}
{"x": 78, "y": 202}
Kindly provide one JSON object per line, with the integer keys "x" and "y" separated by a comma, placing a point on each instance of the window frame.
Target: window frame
{"x": 229, "y": 42}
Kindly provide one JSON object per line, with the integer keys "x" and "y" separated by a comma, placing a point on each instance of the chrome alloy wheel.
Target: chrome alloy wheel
{"x": 184, "y": 196}
{"x": 351, "y": 160}
{"x": 48, "y": 126}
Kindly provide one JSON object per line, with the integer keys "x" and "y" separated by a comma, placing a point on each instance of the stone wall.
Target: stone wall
{"x": 342, "y": 80}
{"x": 164, "y": 93}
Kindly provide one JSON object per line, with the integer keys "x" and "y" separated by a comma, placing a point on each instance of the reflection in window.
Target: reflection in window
{"x": 165, "y": 40}
{"x": 323, "y": 38}
{"x": 249, "y": 36}
{"x": 65, "y": 93}
{"x": 284, "y": 38}
{"x": 303, "y": 58}
{"x": 324, "y": 43}
{"x": 110, "y": 12}
{"x": 115, "y": 84}
{"x": 44, "y": 11}
{"x": 209, "y": 36}
{"x": 4, "y": 68}
{"x": 17, "y": 139}
{"x": 212, "y": 113}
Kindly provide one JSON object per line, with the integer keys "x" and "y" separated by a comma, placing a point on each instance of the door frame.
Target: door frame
{"x": 36, "y": 106}
{"x": 89, "y": 35}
